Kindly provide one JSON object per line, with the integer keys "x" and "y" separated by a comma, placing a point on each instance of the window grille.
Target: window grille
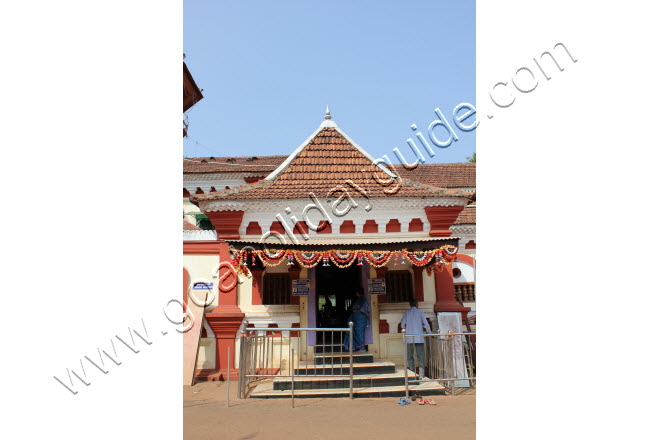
{"x": 399, "y": 286}
{"x": 277, "y": 289}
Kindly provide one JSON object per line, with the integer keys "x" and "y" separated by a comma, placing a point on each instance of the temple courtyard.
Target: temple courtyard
{"x": 205, "y": 416}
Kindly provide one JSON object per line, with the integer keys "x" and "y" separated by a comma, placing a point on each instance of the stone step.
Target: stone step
{"x": 360, "y": 381}
{"x": 337, "y": 358}
{"x": 334, "y": 348}
{"x": 379, "y": 367}
{"x": 265, "y": 391}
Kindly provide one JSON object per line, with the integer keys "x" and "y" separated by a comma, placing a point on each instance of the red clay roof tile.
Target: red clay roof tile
{"x": 468, "y": 216}
{"x": 328, "y": 162}
{"x": 252, "y": 164}
{"x": 187, "y": 226}
{"x": 443, "y": 175}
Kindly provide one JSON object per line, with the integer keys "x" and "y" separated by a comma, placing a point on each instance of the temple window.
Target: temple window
{"x": 399, "y": 286}
{"x": 277, "y": 289}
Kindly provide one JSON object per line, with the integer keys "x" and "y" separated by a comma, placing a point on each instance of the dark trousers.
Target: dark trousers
{"x": 419, "y": 350}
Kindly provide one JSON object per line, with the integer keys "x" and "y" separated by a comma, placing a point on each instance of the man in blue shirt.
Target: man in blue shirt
{"x": 415, "y": 323}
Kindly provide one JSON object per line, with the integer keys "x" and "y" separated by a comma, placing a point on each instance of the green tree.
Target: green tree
{"x": 472, "y": 159}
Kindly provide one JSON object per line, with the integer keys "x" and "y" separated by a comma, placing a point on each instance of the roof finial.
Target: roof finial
{"x": 327, "y": 112}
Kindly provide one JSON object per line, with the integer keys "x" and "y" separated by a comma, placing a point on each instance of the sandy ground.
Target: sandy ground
{"x": 206, "y": 416}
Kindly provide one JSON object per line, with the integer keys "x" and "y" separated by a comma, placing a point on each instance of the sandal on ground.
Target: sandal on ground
{"x": 430, "y": 401}
{"x": 420, "y": 401}
{"x": 403, "y": 401}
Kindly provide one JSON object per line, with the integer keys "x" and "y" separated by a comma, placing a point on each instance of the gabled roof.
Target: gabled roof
{"x": 187, "y": 226}
{"x": 327, "y": 160}
{"x": 245, "y": 164}
{"x": 468, "y": 216}
{"x": 443, "y": 175}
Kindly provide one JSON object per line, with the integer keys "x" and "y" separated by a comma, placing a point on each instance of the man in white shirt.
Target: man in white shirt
{"x": 415, "y": 323}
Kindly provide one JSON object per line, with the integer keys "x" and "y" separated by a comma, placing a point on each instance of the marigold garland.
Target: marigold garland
{"x": 271, "y": 260}
{"x": 344, "y": 258}
{"x": 378, "y": 259}
{"x": 308, "y": 259}
{"x": 446, "y": 254}
{"x": 418, "y": 259}
{"x": 238, "y": 262}
{"x": 435, "y": 267}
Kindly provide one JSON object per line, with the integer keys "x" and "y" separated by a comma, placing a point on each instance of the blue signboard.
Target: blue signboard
{"x": 376, "y": 286}
{"x": 300, "y": 287}
{"x": 202, "y": 286}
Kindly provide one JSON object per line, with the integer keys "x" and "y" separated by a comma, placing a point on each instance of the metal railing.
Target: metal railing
{"x": 271, "y": 353}
{"x": 448, "y": 358}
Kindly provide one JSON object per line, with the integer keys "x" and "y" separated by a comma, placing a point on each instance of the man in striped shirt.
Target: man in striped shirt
{"x": 415, "y": 323}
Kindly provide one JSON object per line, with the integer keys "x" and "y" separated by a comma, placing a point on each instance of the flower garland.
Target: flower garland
{"x": 238, "y": 262}
{"x": 308, "y": 259}
{"x": 418, "y": 259}
{"x": 378, "y": 259}
{"x": 446, "y": 254}
{"x": 342, "y": 259}
{"x": 270, "y": 258}
{"x": 435, "y": 267}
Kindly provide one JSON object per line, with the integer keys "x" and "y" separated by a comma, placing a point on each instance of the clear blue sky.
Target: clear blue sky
{"x": 268, "y": 69}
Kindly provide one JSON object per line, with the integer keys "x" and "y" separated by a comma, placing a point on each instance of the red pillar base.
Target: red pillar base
{"x": 444, "y": 294}
{"x": 225, "y": 321}
{"x": 213, "y": 375}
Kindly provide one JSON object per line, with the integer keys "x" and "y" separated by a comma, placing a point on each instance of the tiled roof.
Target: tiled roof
{"x": 327, "y": 161}
{"x": 468, "y": 216}
{"x": 350, "y": 239}
{"x": 443, "y": 175}
{"x": 251, "y": 164}
{"x": 187, "y": 226}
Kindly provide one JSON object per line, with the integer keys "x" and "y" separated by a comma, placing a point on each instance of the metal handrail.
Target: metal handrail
{"x": 258, "y": 358}
{"x": 442, "y": 363}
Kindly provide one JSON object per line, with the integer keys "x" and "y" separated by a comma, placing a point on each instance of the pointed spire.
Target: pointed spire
{"x": 328, "y": 123}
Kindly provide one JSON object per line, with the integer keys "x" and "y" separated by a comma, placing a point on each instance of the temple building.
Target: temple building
{"x": 331, "y": 214}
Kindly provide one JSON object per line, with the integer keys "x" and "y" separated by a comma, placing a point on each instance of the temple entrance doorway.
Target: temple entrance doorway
{"x": 335, "y": 293}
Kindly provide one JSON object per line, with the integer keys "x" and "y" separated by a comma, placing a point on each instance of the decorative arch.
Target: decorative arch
{"x": 466, "y": 258}
{"x": 466, "y": 270}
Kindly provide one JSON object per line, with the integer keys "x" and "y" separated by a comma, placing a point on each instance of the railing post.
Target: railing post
{"x": 228, "y": 367}
{"x": 293, "y": 374}
{"x": 454, "y": 374}
{"x": 241, "y": 364}
{"x": 350, "y": 356}
{"x": 405, "y": 360}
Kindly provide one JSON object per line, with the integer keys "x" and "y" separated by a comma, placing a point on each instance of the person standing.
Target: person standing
{"x": 414, "y": 322}
{"x": 360, "y": 316}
